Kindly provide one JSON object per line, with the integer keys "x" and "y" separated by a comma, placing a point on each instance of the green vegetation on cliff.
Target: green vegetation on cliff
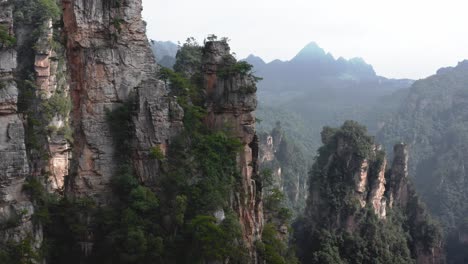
{"x": 184, "y": 216}
{"x": 36, "y": 11}
{"x": 335, "y": 228}
{"x": 6, "y": 40}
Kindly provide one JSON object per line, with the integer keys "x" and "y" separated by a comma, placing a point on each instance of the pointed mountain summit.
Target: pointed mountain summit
{"x": 256, "y": 61}
{"x": 310, "y": 51}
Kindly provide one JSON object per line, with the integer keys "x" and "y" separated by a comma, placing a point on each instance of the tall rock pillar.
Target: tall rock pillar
{"x": 230, "y": 102}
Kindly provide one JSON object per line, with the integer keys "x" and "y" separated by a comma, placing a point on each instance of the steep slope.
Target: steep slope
{"x": 432, "y": 120}
{"x": 15, "y": 207}
{"x": 358, "y": 211}
{"x": 35, "y": 111}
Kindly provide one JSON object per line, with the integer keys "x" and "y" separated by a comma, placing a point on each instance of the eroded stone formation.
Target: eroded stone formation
{"x": 230, "y": 103}
{"x": 370, "y": 184}
{"x": 351, "y": 176}
{"x": 16, "y": 208}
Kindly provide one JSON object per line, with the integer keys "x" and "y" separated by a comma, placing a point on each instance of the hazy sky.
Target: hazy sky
{"x": 400, "y": 38}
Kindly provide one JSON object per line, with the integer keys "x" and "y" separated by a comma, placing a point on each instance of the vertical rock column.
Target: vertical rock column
{"x": 399, "y": 176}
{"x": 54, "y": 93}
{"x": 403, "y": 196}
{"x": 231, "y": 100}
{"x": 15, "y": 207}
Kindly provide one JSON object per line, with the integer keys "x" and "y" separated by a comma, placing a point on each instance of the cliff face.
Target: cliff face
{"x": 56, "y": 87}
{"x": 16, "y": 208}
{"x": 352, "y": 191}
{"x": 110, "y": 64}
{"x": 230, "y": 102}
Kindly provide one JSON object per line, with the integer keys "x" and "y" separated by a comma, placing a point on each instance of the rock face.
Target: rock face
{"x": 111, "y": 63}
{"x": 53, "y": 96}
{"x": 230, "y": 102}
{"x": 158, "y": 118}
{"x": 16, "y": 208}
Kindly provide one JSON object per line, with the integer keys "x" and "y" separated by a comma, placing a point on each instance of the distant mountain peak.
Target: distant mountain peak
{"x": 310, "y": 51}
{"x": 252, "y": 59}
{"x": 313, "y": 46}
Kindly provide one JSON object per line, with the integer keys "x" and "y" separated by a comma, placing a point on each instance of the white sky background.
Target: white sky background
{"x": 400, "y": 38}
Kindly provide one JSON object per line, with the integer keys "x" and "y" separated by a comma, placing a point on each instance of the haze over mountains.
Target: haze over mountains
{"x": 314, "y": 89}
{"x": 165, "y": 52}
{"x": 319, "y": 90}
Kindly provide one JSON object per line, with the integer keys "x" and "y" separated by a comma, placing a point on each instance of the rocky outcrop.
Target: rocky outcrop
{"x": 110, "y": 64}
{"x": 16, "y": 209}
{"x": 230, "y": 102}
